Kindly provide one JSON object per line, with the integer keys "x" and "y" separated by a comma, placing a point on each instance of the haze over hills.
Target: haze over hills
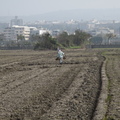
{"x": 78, "y": 14}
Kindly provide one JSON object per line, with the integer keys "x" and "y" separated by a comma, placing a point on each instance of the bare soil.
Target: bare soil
{"x": 34, "y": 86}
{"x": 113, "y": 73}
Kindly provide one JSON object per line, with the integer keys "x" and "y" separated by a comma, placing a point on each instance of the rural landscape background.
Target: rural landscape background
{"x": 33, "y": 83}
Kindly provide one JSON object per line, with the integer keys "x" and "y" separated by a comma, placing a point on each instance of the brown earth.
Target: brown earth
{"x": 113, "y": 73}
{"x": 34, "y": 86}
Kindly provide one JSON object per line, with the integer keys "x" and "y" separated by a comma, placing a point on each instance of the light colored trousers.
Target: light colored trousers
{"x": 61, "y": 59}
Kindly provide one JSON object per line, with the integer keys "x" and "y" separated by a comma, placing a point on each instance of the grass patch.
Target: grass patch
{"x": 108, "y": 99}
{"x": 108, "y": 118}
{"x": 75, "y": 47}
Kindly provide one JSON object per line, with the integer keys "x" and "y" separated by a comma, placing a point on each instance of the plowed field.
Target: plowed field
{"x": 34, "y": 86}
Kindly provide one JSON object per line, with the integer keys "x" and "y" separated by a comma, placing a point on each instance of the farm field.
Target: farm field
{"x": 34, "y": 86}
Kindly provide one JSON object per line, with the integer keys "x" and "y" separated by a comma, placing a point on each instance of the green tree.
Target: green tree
{"x": 63, "y": 39}
{"x": 34, "y": 38}
{"x": 80, "y": 37}
{"x": 46, "y": 42}
{"x": 20, "y": 37}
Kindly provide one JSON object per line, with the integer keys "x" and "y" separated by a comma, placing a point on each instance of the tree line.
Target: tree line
{"x": 64, "y": 40}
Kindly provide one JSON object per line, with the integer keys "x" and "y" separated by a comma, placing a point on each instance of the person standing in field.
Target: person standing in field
{"x": 60, "y": 56}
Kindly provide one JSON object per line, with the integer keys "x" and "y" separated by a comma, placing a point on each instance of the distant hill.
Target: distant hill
{"x": 108, "y": 14}
{"x": 78, "y": 14}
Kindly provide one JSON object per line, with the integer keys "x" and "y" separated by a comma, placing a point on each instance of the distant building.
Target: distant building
{"x": 102, "y": 31}
{"x": 22, "y": 30}
{"x": 105, "y": 31}
{"x": 43, "y": 31}
{"x": 16, "y": 21}
{"x": 11, "y": 33}
{"x": 2, "y": 37}
{"x": 55, "y": 33}
{"x": 34, "y": 31}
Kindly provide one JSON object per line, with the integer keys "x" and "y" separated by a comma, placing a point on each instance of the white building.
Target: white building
{"x": 102, "y": 31}
{"x": 11, "y": 33}
{"x": 34, "y": 31}
{"x": 105, "y": 31}
{"x": 43, "y": 31}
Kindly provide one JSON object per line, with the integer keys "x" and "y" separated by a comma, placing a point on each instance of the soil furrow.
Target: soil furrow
{"x": 37, "y": 87}
{"x": 46, "y": 99}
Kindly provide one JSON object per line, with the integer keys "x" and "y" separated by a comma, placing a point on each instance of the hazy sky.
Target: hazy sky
{"x": 33, "y": 7}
